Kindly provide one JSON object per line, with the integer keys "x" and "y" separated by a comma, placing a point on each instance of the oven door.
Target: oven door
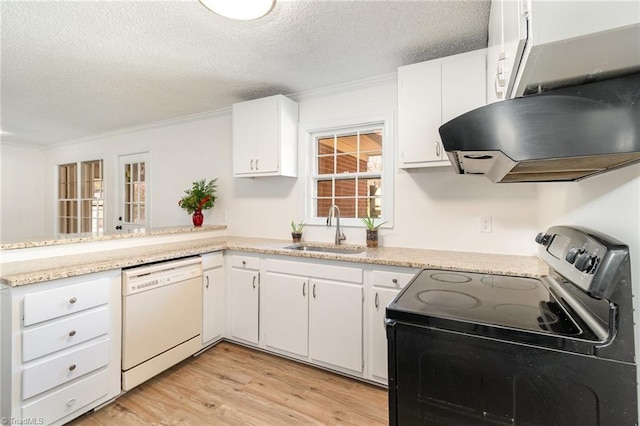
{"x": 439, "y": 377}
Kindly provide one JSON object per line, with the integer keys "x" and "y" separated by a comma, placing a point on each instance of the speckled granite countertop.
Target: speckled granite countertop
{"x": 34, "y": 271}
{"x": 87, "y": 237}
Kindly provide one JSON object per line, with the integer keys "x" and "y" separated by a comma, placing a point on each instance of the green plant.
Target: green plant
{"x": 370, "y": 223}
{"x": 201, "y": 196}
{"x": 297, "y": 227}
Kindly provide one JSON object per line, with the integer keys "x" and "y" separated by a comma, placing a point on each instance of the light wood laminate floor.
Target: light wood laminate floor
{"x": 233, "y": 385}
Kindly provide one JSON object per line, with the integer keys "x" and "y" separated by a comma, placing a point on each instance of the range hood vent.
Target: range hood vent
{"x": 561, "y": 135}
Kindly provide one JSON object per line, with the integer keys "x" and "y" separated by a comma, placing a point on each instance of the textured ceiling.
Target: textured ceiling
{"x": 73, "y": 69}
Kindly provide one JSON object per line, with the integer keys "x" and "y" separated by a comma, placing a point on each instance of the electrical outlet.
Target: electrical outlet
{"x": 485, "y": 224}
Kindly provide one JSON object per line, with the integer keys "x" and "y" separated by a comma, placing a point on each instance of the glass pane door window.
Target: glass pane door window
{"x": 81, "y": 197}
{"x": 133, "y": 188}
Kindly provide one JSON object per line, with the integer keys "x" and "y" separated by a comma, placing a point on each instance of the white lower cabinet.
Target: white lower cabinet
{"x": 386, "y": 283}
{"x": 381, "y": 298}
{"x": 335, "y": 324}
{"x": 61, "y": 344}
{"x": 285, "y": 302}
{"x": 313, "y": 311}
{"x": 244, "y": 292}
{"x": 327, "y": 313}
{"x": 212, "y": 297}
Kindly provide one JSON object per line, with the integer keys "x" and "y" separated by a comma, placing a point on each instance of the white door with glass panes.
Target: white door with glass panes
{"x": 133, "y": 192}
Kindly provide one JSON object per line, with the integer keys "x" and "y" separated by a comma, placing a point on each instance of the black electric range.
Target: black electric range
{"x": 468, "y": 348}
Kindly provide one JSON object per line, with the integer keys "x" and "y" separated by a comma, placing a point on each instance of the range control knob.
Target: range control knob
{"x": 543, "y": 238}
{"x": 586, "y": 262}
{"x": 573, "y": 253}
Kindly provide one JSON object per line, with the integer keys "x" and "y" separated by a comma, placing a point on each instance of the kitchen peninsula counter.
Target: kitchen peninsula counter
{"x": 51, "y": 268}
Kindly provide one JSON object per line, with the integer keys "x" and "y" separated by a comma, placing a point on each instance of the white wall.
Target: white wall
{"x": 21, "y": 188}
{"x": 180, "y": 153}
{"x": 433, "y": 208}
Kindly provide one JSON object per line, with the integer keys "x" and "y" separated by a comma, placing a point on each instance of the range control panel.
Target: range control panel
{"x": 147, "y": 278}
{"x": 582, "y": 256}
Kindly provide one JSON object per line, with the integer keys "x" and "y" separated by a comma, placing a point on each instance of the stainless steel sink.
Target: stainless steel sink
{"x": 325, "y": 249}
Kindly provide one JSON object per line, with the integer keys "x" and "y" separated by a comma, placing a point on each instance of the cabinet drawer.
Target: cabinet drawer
{"x": 58, "y": 302}
{"x": 212, "y": 260}
{"x": 64, "y": 333}
{"x": 40, "y": 377}
{"x": 393, "y": 279}
{"x": 69, "y": 399}
{"x": 245, "y": 262}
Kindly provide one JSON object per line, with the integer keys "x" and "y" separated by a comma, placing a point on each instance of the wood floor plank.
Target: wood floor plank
{"x": 233, "y": 385}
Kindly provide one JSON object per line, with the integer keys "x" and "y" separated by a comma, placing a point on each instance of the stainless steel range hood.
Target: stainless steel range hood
{"x": 560, "y": 135}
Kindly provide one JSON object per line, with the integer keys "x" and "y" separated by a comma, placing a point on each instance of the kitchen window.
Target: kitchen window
{"x": 81, "y": 197}
{"x": 351, "y": 168}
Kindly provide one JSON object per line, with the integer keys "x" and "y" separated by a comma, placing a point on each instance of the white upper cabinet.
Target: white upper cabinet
{"x": 537, "y": 43}
{"x": 430, "y": 94}
{"x": 265, "y": 137}
{"x": 507, "y": 37}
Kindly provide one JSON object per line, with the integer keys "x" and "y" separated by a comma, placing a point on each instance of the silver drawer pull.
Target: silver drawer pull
{"x": 72, "y": 333}
{"x": 72, "y": 367}
{"x": 73, "y": 300}
{"x": 71, "y": 402}
{"x": 395, "y": 281}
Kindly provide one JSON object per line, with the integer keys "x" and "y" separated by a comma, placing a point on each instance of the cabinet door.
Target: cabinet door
{"x": 335, "y": 324}
{"x": 514, "y": 36}
{"x": 243, "y": 138}
{"x": 266, "y": 119}
{"x": 381, "y": 298}
{"x": 244, "y": 290}
{"x": 212, "y": 305}
{"x": 419, "y": 113}
{"x": 463, "y": 84}
{"x": 286, "y": 312}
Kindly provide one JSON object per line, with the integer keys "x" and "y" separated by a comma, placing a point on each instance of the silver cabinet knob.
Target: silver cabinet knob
{"x": 73, "y": 300}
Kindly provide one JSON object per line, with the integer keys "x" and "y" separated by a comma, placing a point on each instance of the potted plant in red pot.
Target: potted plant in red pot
{"x": 200, "y": 197}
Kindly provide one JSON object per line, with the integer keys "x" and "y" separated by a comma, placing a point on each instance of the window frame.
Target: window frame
{"x": 79, "y": 198}
{"x": 311, "y": 132}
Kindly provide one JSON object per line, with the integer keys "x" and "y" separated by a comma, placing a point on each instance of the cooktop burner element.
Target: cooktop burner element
{"x": 448, "y": 277}
{"x": 448, "y": 299}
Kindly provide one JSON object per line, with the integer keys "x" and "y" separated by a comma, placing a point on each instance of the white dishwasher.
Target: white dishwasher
{"x": 161, "y": 317}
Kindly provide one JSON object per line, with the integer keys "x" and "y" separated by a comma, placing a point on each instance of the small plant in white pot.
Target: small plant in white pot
{"x": 372, "y": 231}
{"x": 296, "y": 231}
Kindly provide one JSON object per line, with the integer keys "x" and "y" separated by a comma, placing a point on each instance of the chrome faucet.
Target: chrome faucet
{"x": 335, "y": 211}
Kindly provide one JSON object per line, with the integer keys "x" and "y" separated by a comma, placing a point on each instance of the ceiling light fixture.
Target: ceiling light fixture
{"x": 244, "y": 10}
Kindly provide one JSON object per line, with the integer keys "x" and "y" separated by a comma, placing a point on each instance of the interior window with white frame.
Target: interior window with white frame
{"x": 350, "y": 169}
{"x": 81, "y": 197}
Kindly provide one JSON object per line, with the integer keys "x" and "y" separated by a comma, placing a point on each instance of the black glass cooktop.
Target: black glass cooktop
{"x": 498, "y": 301}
